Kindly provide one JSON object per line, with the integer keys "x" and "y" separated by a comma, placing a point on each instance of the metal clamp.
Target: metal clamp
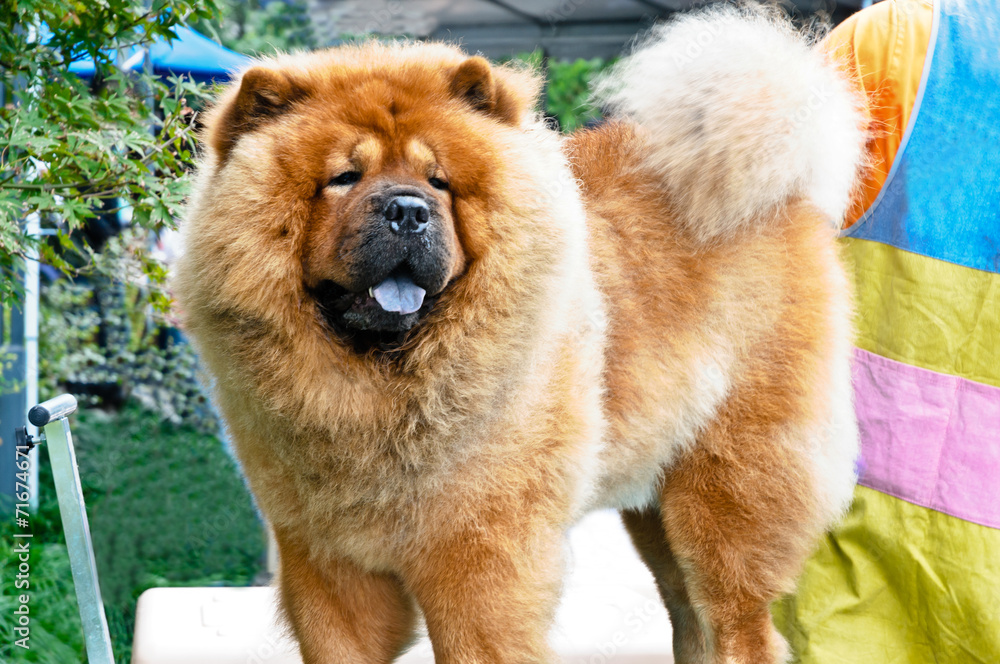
{"x": 61, "y": 406}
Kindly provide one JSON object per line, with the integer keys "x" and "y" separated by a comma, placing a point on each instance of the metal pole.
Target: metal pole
{"x": 24, "y": 372}
{"x": 52, "y": 416}
{"x": 13, "y": 403}
{"x": 32, "y": 293}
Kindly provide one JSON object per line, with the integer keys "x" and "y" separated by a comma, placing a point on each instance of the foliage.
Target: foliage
{"x": 70, "y": 146}
{"x": 167, "y": 507}
{"x": 7, "y": 358}
{"x": 567, "y": 90}
{"x": 261, "y": 27}
{"x": 104, "y": 342}
{"x": 56, "y": 631}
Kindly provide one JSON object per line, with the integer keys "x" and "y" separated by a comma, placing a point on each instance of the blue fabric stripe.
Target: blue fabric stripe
{"x": 942, "y": 196}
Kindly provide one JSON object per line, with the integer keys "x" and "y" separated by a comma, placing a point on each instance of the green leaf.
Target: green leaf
{"x": 69, "y": 146}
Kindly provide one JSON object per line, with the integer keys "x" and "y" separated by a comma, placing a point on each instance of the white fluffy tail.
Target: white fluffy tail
{"x": 743, "y": 114}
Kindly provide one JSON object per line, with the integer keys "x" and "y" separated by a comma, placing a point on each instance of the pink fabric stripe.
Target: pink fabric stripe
{"x": 929, "y": 438}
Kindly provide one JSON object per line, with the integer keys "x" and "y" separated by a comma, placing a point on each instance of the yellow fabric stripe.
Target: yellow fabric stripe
{"x": 897, "y": 584}
{"x": 926, "y": 312}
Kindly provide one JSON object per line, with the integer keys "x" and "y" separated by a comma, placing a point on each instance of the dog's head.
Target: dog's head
{"x": 374, "y": 169}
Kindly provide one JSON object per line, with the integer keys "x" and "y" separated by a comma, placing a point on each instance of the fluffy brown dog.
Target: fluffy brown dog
{"x": 440, "y": 332}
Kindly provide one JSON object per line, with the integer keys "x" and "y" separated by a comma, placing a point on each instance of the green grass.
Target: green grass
{"x": 167, "y": 506}
{"x": 56, "y": 635}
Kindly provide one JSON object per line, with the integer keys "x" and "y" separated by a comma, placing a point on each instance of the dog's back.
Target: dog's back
{"x": 713, "y": 205}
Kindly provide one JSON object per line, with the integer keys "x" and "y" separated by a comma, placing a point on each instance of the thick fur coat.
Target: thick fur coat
{"x": 650, "y": 315}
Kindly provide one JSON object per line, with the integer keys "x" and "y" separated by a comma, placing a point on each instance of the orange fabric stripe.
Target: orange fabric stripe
{"x": 883, "y": 48}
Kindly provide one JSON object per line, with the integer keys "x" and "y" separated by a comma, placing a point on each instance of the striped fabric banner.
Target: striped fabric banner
{"x": 911, "y": 575}
{"x": 929, "y": 438}
{"x": 927, "y": 380}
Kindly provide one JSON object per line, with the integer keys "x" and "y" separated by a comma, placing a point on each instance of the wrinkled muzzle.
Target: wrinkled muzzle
{"x": 401, "y": 255}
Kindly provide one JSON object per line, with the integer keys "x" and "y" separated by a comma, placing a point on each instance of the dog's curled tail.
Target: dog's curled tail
{"x": 742, "y": 114}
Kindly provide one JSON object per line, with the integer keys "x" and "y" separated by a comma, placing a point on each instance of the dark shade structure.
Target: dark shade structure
{"x": 562, "y": 29}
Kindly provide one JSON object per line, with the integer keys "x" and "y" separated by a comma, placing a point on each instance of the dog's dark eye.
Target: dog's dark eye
{"x": 438, "y": 183}
{"x": 345, "y": 178}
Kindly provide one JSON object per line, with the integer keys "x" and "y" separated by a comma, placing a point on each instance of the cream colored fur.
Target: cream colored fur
{"x": 745, "y": 115}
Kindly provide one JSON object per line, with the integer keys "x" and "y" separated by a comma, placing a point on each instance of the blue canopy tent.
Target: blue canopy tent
{"x": 191, "y": 53}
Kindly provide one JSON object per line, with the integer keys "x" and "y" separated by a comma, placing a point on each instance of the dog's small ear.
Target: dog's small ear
{"x": 473, "y": 83}
{"x": 500, "y": 92}
{"x": 262, "y": 95}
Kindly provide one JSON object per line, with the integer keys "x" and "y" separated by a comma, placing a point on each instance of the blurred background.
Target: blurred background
{"x": 100, "y": 105}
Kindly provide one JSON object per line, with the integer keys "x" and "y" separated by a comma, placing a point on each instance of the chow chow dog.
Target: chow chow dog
{"x": 440, "y": 332}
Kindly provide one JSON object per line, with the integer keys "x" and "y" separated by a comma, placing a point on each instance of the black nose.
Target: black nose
{"x": 407, "y": 214}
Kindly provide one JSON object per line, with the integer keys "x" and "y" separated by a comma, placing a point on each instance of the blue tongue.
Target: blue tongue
{"x": 398, "y": 293}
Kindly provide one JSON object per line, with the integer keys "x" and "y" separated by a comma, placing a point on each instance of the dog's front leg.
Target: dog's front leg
{"x": 339, "y": 612}
{"x": 489, "y": 589}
